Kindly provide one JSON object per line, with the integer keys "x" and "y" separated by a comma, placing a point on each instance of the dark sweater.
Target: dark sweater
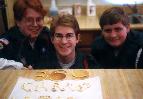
{"x": 127, "y": 54}
{"x": 82, "y": 61}
{"x": 19, "y": 48}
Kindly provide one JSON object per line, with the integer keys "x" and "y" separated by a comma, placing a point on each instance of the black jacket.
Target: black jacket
{"x": 82, "y": 61}
{"x": 19, "y": 48}
{"x": 127, "y": 54}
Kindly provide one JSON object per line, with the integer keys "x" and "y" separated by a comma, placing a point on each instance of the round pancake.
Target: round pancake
{"x": 57, "y": 76}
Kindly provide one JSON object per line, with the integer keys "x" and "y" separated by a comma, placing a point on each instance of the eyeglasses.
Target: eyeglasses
{"x": 68, "y": 36}
{"x": 31, "y": 21}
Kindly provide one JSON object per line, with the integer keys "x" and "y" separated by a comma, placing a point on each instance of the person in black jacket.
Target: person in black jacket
{"x": 28, "y": 41}
{"x": 65, "y": 35}
{"x": 118, "y": 46}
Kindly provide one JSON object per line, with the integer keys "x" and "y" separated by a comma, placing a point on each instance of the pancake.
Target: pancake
{"x": 57, "y": 76}
{"x": 80, "y": 73}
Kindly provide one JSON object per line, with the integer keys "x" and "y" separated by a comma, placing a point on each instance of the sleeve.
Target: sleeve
{"x": 90, "y": 62}
{"x": 98, "y": 43}
{"x": 7, "y": 63}
{"x": 139, "y": 59}
{"x": 94, "y": 51}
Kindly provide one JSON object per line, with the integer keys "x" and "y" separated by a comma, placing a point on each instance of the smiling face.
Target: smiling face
{"x": 115, "y": 34}
{"x": 65, "y": 41}
{"x": 31, "y": 24}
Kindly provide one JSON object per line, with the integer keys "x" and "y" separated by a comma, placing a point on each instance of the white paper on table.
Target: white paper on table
{"x": 71, "y": 86}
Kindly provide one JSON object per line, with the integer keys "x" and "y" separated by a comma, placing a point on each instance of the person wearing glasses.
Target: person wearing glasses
{"x": 118, "y": 46}
{"x": 28, "y": 41}
{"x": 65, "y": 35}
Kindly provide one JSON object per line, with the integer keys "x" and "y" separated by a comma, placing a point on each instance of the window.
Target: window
{"x": 120, "y": 2}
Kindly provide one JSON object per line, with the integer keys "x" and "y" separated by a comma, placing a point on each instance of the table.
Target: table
{"x": 115, "y": 83}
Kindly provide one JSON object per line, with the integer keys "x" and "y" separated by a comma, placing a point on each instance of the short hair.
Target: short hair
{"x": 20, "y": 7}
{"x": 112, "y": 16}
{"x": 65, "y": 20}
